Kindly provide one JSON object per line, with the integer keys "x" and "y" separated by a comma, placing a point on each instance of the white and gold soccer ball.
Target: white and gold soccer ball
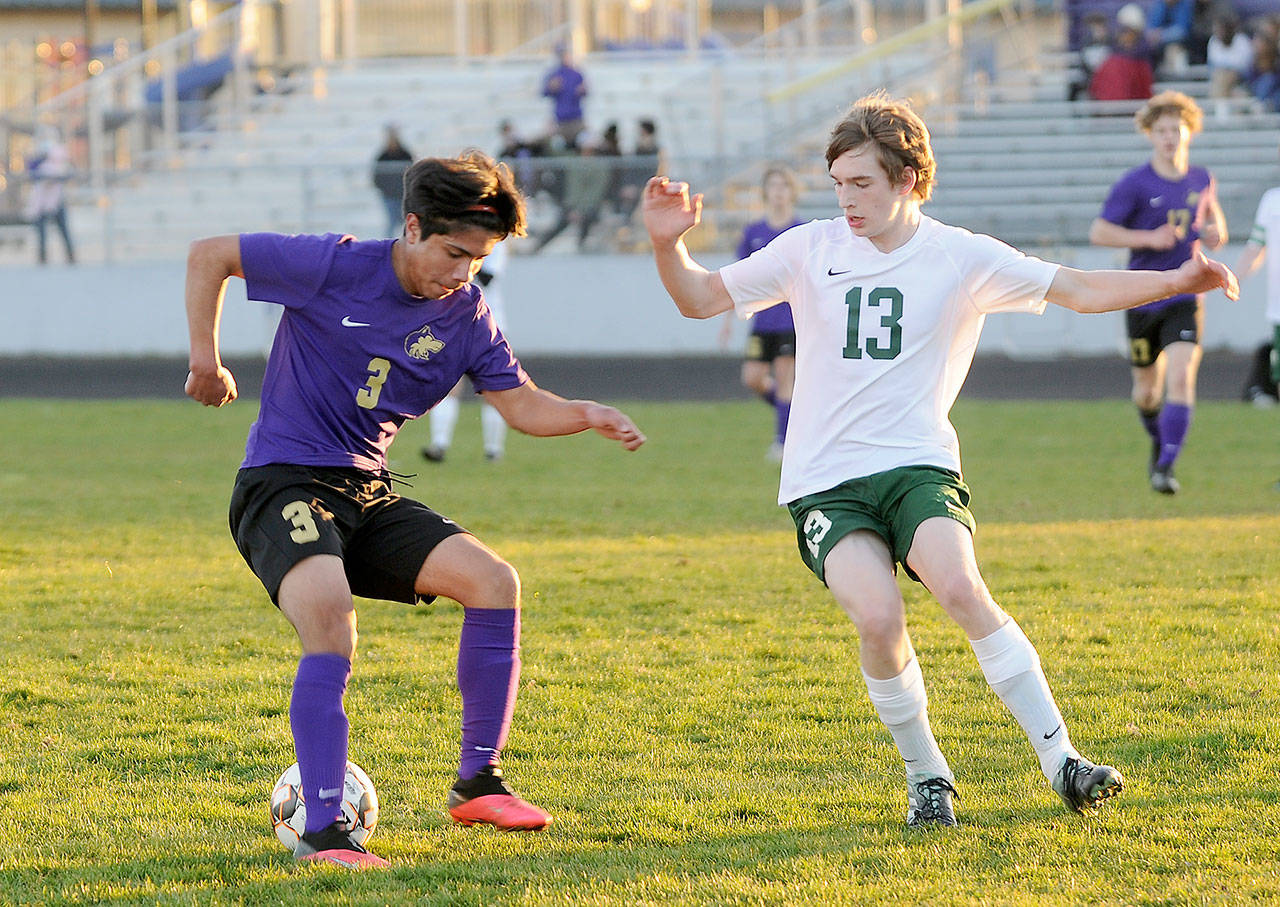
{"x": 289, "y": 808}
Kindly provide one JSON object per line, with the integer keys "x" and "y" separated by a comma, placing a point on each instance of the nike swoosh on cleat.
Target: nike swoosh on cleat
{"x": 348, "y": 323}
{"x": 1049, "y": 736}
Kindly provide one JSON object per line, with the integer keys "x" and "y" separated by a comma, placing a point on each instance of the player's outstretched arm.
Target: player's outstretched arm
{"x": 669, "y": 213}
{"x": 210, "y": 262}
{"x": 534, "y": 411}
{"x": 1109, "y": 291}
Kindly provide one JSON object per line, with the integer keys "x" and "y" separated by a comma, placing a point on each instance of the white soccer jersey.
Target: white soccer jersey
{"x": 883, "y": 341}
{"x": 1266, "y": 232}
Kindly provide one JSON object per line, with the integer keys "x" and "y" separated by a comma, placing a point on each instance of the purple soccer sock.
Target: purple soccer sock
{"x": 1175, "y": 420}
{"x": 783, "y": 408}
{"x": 320, "y": 734}
{"x": 488, "y": 674}
{"x": 1151, "y": 422}
{"x": 770, "y": 397}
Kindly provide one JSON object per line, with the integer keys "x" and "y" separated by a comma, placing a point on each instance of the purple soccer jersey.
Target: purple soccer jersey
{"x": 775, "y": 319}
{"x": 1144, "y": 200}
{"x": 355, "y": 355}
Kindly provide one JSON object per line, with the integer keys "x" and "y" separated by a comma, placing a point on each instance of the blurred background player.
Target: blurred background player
{"x": 50, "y": 170}
{"x": 889, "y": 308}
{"x": 770, "y": 366}
{"x": 1266, "y": 227}
{"x": 1160, "y": 212}
{"x": 443, "y": 418}
{"x": 372, "y": 334}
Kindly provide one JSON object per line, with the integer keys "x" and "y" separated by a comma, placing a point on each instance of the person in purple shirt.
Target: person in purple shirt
{"x": 566, "y": 86}
{"x": 372, "y": 334}
{"x": 770, "y": 365}
{"x": 1161, "y": 211}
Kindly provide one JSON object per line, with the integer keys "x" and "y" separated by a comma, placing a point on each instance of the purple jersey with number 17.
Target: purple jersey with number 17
{"x": 1144, "y": 200}
{"x": 355, "y": 355}
{"x": 775, "y": 319}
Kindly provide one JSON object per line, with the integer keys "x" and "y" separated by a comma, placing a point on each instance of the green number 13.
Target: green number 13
{"x": 887, "y": 301}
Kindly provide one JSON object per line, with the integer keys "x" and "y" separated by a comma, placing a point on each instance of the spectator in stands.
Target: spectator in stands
{"x": 1264, "y": 76}
{"x": 1169, "y": 32}
{"x": 49, "y": 169}
{"x": 1230, "y": 57}
{"x": 1126, "y": 74}
{"x": 1094, "y": 50}
{"x": 586, "y": 182}
{"x": 611, "y": 147}
{"x": 646, "y": 161}
{"x": 566, "y": 86}
{"x": 388, "y": 178}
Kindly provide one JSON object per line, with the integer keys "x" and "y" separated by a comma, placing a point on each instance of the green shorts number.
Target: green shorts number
{"x": 891, "y": 504}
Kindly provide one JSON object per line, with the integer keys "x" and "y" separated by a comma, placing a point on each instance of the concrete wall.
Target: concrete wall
{"x": 556, "y": 304}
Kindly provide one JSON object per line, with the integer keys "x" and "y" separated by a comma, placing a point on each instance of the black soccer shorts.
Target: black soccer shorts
{"x": 1151, "y": 332}
{"x": 770, "y": 345}
{"x": 282, "y": 514}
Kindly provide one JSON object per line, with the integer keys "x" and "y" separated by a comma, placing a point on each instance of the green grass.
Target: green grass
{"x": 691, "y": 708}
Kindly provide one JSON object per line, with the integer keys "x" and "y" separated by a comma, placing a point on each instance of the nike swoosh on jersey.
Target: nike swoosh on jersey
{"x": 831, "y": 273}
{"x": 348, "y": 323}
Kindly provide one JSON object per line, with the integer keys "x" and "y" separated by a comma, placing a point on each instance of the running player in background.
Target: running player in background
{"x": 888, "y": 307}
{"x": 372, "y": 334}
{"x": 770, "y": 366}
{"x": 1266, "y": 232}
{"x": 1160, "y": 212}
{"x": 443, "y": 418}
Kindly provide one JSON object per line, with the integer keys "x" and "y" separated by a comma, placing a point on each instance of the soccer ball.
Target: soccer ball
{"x": 289, "y": 809}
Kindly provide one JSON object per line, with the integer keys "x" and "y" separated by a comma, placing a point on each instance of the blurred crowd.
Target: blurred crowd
{"x": 1121, "y": 55}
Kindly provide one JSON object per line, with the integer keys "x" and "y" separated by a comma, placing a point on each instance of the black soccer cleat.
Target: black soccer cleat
{"x": 1083, "y": 786}
{"x": 433, "y": 453}
{"x": 333, "y": 845}
{"x": 929, "y": 803}
{"x": 487, "y": 799}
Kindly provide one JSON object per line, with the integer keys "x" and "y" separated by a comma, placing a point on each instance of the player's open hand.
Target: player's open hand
{"x": 615, "y": 425}
{"x": 669, "y": 211}
{"x": 212, "y": 388}
{"x": 1201, "y": 275}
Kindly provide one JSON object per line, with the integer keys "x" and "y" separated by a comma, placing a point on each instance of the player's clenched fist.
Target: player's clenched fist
{"x": 212, "y": 389}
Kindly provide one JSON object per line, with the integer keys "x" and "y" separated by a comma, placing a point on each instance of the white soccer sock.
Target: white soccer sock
{"x": 1012, "y": 668}
{"x": 903, "y": 706}
{"x": 444, "y": 418}
{"x": 494, "y": 429}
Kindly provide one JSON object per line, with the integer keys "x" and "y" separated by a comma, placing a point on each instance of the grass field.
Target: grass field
{"x": 691, "y": 709}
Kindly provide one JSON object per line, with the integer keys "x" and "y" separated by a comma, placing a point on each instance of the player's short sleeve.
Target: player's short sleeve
{"x": 767, "y": 276}
{"x": 1119, "y": 207}
{"x": 494, "y": 366}
{"x": 288, "y": 270}
{"x": 1005, "y": 279}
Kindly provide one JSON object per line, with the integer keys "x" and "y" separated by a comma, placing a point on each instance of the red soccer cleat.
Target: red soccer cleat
{"x": 488, "y": 799}
{"x": 333, "y": 845}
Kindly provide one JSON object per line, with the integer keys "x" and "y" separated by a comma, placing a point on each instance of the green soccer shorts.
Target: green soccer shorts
{"x": 891, "y": 504}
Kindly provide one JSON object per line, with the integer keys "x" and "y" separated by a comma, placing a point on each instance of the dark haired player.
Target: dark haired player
{"x": 1161, "y": 211}
{"x": 374, "y": 333}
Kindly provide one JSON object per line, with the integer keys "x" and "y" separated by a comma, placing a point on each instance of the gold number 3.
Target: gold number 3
{"x": 367, "y": 396}
{"x": 304, "y": 524}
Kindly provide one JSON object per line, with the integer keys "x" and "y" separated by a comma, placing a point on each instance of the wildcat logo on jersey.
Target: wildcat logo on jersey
{"x": 421, "y": 344}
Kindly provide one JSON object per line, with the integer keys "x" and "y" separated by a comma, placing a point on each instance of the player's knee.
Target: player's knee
{"x": 498, "y": 586}
{"x": 1146, "y": 398}
{"x": 880, "y": 629}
